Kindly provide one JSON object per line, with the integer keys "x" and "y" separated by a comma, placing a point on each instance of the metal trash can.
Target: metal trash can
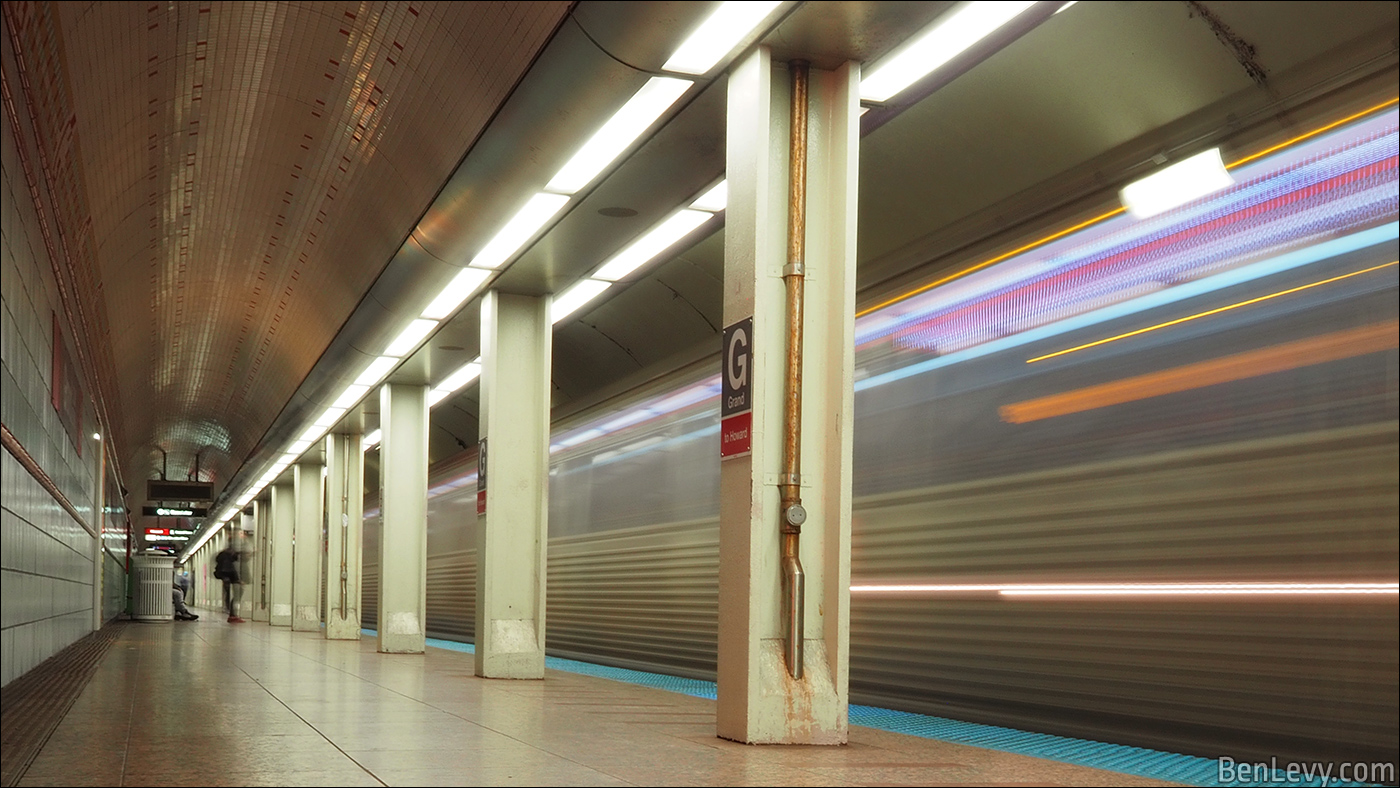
{"x": 155, "y": 577}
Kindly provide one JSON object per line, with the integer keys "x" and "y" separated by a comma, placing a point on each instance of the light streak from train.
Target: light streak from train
{"x": 1135, "y": 589}
{"x": 1285, "y": 262}
{"x": 1226, "y": 369}
{"x": 1209, "y": 312}
{"x": 1087, "y": 223}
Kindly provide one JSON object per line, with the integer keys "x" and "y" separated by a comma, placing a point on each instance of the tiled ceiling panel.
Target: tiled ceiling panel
{"x": 240, "y": 173}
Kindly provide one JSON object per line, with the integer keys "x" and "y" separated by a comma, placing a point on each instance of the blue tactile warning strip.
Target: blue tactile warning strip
{"x": 1140, "y": 761}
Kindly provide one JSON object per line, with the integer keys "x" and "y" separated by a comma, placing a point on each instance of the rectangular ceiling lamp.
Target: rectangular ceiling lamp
{"x": 714, "y": 200}
{"x": 1187, "y": 180}
{"x": 469, "y": 372}
{"x": 409, "y": 338}
{"x": 621, "y": 130}
{"x": 462, "y": 287}
{"x": 659, "y": 239}
{"x": 371, "y": 440}
{"x": 521, "y": 227}
{"x": 351, "y": 396}
{"x": 718, "y": 35}
{"x": 330, "y": 416}
{"x": 568, "y": 302}
{"x": 299, "y": 447}
{"x": 942, "y": 41}
{"x": 311, "y": 434}
{"x": 376, "y": 371}
{"x": 438, "y": 395}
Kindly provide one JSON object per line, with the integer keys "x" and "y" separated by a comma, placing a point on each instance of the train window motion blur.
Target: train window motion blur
{"x": 1187, "y": 501}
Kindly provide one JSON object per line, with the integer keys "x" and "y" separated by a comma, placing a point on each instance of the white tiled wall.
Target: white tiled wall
{"x": 45, "y": 564}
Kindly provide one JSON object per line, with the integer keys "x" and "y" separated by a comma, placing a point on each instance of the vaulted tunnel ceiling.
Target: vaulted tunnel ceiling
{"x": 238, "y": 174}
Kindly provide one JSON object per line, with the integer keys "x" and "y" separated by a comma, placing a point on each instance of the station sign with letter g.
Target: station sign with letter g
{"x": 736, "y": 385}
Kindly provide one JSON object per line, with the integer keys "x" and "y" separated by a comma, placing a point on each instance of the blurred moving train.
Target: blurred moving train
{"x": 1143, "y": 415}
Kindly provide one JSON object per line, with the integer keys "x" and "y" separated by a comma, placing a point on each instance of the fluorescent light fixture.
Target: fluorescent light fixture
{"x": 243, "y": 499}
{"x": 658, "y": 240}
{"x": 409, "y": 337}
{"x": 299, "y": 447}
{"x": 521, "y": 227}
{"x": 567, "y": 302}
{"x": 438, "y": 395}
{"x": 469, "y": 372}
{"x": 376, "y": 371}
{"x": 330, "y": 417}
{"x": 1066, "y": 6}
{"x": 1187, "y": 180}
{"x": 718, "y": 35}
{"x": 462, "y": 286}
{"x": 371, "y": 440}
{"x": 714, "y": 200}
{"x": 312, "y": 433}
{"x": 621, "y": 130}
{"x": 350, "y": 396}
{"x": 944, "y": 40}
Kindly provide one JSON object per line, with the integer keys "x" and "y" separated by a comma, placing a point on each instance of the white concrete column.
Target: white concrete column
{"x": 403, "y": 532}
{"x": 99, "y": 521}
{"x": 279, "y": 559}
{"x": 256, "y": 597}
{"x": 514, "y": 456}
{"x": 248, "y": 568}
{"x": 345, "y": 510}
{"x": 759, "y": 702}
{"x": 306, "y": 552}
{"x": 203, "y": 576}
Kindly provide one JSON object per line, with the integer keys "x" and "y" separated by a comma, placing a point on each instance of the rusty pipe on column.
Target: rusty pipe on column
{"x": 791, "y": 514}
{"x": 344, "y": 448}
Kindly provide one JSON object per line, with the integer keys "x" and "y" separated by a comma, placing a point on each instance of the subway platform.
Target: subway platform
{"x": 210, "y": 703}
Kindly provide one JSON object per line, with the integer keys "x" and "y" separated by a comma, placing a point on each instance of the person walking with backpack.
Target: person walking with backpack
{"x": 226, "y": 569}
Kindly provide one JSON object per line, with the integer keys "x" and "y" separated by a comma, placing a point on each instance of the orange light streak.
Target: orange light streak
{"x": 1309, "y": 135}
{"x": 1210, "y": 312}
{"x": 1279, "y": 358}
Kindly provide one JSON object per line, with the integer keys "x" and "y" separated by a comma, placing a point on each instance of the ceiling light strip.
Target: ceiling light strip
{"x": 660, "y": 238}
{"x": 718, "y": 35}
{"x": 622, "y": 129}
{"x": 569, "y": 301}
{"x": 521, "y": 228}
{"x": 949, "y": 36}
